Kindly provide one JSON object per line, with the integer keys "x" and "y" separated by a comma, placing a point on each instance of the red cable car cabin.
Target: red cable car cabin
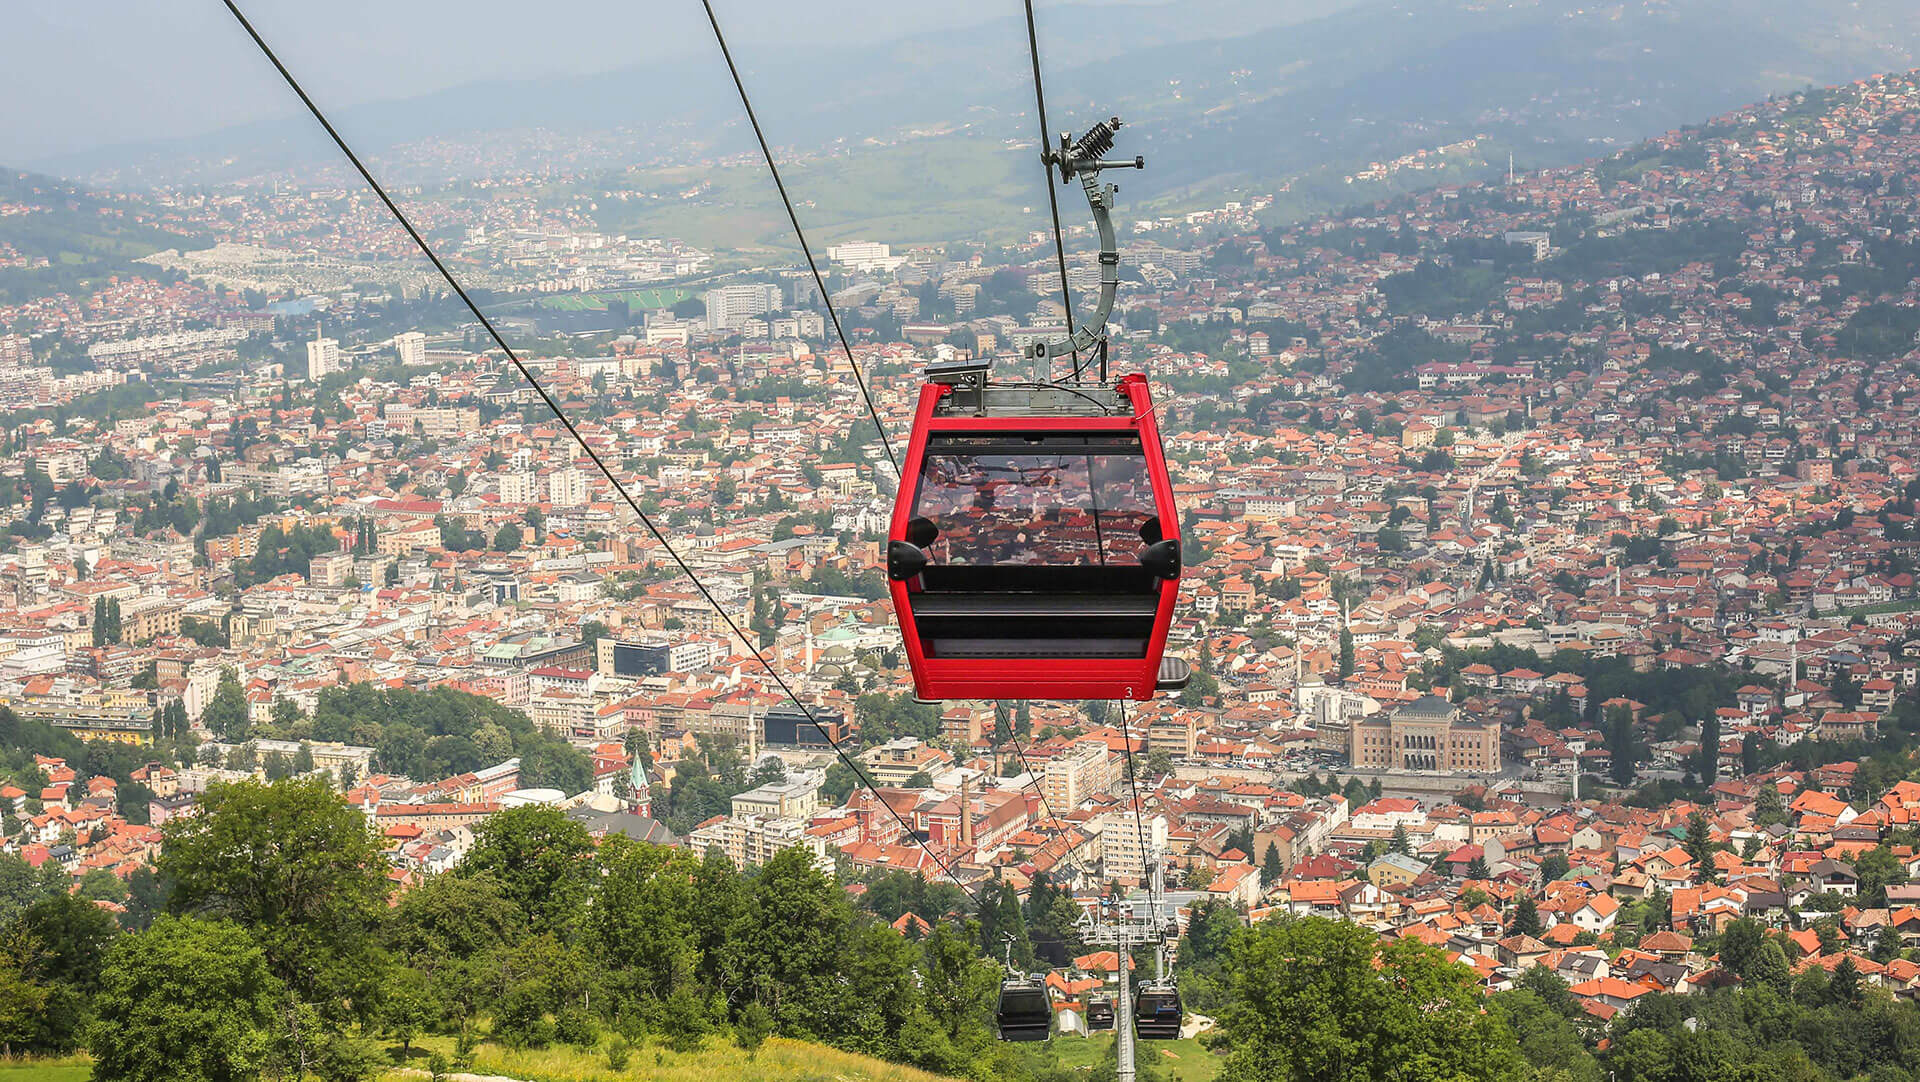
{"x": 1035, "y": 548}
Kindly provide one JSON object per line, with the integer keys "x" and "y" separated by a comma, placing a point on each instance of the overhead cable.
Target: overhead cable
{"x": 553, "y": 405}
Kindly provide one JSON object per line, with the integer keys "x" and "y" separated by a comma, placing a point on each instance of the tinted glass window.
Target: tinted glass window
{"x": 1057, "y": 500}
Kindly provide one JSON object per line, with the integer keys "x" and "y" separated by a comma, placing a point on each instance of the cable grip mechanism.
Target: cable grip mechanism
{"x": 1084, "y": 158}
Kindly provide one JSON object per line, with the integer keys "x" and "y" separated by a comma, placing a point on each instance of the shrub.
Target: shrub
{"x": 753, "y": 1028}
{"x": 574, "y": 1026}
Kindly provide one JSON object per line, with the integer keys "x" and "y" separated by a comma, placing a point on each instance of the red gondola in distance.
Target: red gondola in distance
{"x": 1034, "y": 551}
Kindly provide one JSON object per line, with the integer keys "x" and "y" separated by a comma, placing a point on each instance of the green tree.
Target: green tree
{"x": 406, "y": 1007}
{"x": 20, "y": 884}
{"x": 1545, "y": 1024}
{"x": 106, "y": 621}
{"x": 959, "y": 986}
{"x": 185, "y": 1001}
{"x": 1709, "y": 763}
{"x": 640, "y": 926}
{"x": 1327, "y": 1001}
{"x": 787, "y": 947}
{"x": 23, "y": 1000}
{"x": 591, "y": 633}
{"x": 1699, "y": 845}
{"x": 507, "y": 538}
{"x": 225, "y": 714}
{"x": 298, "y": 868}
{"x": 752, "y": 1030}
{"x": 1271, "y": 868}
{"x": 1623, "y": 747}
{"x": 1845, "y": 986}
{"x": 1400, "y": 842}
{"x": 1741, "y": 946}
{"x": 684, "y": 1021}
{"x": 492, "y": 742}
{"x": 1643, "y": 1055}
{"x": 1769, "y": 968}
{"x": 101, "y": 885}
{"x": 542, "y": 860}
{"x": 451, "y": 918}
{"x": 1526, "y": 917}
{"x": 287, "y": 717}
{"x": 1878, "y": 869}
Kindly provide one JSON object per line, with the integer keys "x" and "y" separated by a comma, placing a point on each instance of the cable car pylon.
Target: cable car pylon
{"x": 1153, "y": 1010}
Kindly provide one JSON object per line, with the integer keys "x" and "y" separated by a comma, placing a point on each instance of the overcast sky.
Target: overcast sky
{"x": 82, "y": 74}
{"x": 94, "y": 73}
{"x": 85, "y": 74}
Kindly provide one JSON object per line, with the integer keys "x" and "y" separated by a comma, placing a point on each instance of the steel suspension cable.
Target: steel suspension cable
{"x": 1046, "y": 170}
{"x": 1045, "y": 804}
{"x": 1139, "y": 826}
{"x": 553, "y": 406}
{"x": 766, "y": 152}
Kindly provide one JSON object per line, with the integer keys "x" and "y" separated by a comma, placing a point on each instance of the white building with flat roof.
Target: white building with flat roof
{"x": 323, "y": 358}
{"x": 731, "y": 306}
{"x": 412, "y": 348}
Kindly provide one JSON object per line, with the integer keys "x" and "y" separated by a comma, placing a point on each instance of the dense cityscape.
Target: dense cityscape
{"x": 1550, "y": 582}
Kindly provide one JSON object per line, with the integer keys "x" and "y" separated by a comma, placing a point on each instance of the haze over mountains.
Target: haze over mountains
{"x": 1214, "y": 103}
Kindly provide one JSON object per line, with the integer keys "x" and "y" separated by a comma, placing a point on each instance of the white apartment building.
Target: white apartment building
{"x": 798, "y": 325}
{"x": 567, "y": 487}
{"x": 864, "y": 255}
{"x": 730, "y": 306}
{"x": 520, "y": 486}
{"x": 779, "y": 800}
{"x": 412, "y": 347}
{"x": 31, "y": 654}
{"x": 1120, "y": 837}
{"x": 323, "y": 358}
{"x": 1081, "y": 772}
{"x": 754, "y": 839}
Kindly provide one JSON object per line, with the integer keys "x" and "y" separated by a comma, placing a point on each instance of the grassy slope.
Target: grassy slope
{"x": 1177, "y": 1061}
{"x": 83, "y": 237}
{"x": 70, "y": 1069}
{"x": 916, "y": 191}
{"x": 779, "y": 1060}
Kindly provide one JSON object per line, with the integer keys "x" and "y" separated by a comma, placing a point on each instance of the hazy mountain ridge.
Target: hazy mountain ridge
{"x": 1313, "y": 100}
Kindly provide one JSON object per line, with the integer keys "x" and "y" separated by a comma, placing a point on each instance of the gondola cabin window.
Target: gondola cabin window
{"x": 1051, "y": 501}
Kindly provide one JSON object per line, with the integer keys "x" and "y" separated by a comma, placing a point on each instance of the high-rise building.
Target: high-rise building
{"x": 567, "y": 487}
{"x": 1075, "y": 775}
{"x": 519, "y": 486}
{"x": 412, "y": 347}
{"x": 732, "y": 305}
{"x": 1121, "y": 835}
{"x": 16, "y": 351}
{"x": 323, "y": 357}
